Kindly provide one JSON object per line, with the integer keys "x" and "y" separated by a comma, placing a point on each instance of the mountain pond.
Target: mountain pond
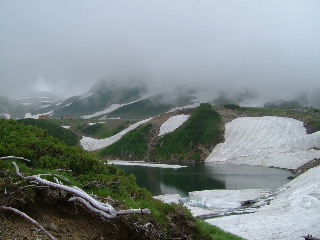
{"x": 207, "y": 177}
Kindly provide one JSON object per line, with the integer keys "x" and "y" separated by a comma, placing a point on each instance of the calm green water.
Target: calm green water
{"x": 196, "y": 178}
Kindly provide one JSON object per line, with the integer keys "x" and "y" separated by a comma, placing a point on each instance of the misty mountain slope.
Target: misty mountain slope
{"x": 100, "y": 97}
{"x": 151, "y": 106}
{"x": 39, "y": 103}
{"x": 268, "y": 141}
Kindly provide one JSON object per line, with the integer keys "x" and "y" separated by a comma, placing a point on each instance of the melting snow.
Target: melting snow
{"x": 143, "y": 163}
{"x": 172, "y": 124}
{"x": 294, "y": 212}
{"x": 169, "y": 198}
{"x": 92, "y": 144}
{"x": 267, "y": 141}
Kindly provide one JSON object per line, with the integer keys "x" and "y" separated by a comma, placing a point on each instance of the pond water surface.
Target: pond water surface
{"x": 197, "y": 178}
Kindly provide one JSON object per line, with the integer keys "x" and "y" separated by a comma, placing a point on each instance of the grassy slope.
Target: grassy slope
{"x": 48, "y": 153}
{"x": 202, "y": 128}
{"x": 103, "y": 130}
{"x": 64, "y": 135}
{"x": 132, "y": 146}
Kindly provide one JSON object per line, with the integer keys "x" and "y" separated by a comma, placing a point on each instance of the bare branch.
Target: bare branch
{"x": 14, "y": 157}
{"x": 101, "y": 206}
{"x": 131, "y": 211}
{"x": 90, "y": 207}
{"x": 103, "y": 209}
{"x": 29, "y": 219}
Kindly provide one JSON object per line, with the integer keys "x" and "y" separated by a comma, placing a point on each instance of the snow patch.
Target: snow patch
{"x": 109, "y": 109}
{"x": 224, "y": 199}
{"x": 194, "y": 105}
{"x": 172, "y": 124}
{"x": 26, "y": 103}
{"x": 143, "y": 163}
{"x": 294, "y": 212}
{"x": 266, "y": 141}
{"x": 92, "y": 144}
{"x": 66, "y": 127}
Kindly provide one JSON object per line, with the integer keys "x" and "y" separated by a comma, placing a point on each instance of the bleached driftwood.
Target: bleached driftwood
{"x": 94, "y": 206}
{"x": 29, "y": 219}
{"x": 14, "y": 157}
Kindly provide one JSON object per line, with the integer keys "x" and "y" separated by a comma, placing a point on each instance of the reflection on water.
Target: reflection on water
{"x": 196, "y": 178}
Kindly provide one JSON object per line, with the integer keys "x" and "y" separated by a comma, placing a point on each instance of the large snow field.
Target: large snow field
{"x": 172, "y": 124}
{"x": 92, "y": 144}
{"x": 294, "y": 212}
{"x": 267, "y": 141}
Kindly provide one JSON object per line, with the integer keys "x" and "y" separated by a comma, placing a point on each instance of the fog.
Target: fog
{"x": 270, "y": 47}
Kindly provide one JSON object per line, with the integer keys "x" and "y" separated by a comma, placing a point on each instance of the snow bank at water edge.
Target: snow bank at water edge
{"x": 266, "y": 141}
{"x": 92, "y": 144}
{"x": 216, "y": 202}
{"x": 172, "y": 124}
{"x": 144, "y": 164}
{"x": 109, "y": 109}
{"x": 293, "y": 213}
{"x": 169, "y": 198}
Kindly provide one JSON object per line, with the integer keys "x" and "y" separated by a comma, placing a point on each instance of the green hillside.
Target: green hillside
{"x": 185, "y": 144}
{"x": 132, "y": 146}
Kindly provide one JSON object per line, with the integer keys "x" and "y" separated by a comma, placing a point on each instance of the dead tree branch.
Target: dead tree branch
{"x": 103, "y": 209}
{"x": 13, "y": 157}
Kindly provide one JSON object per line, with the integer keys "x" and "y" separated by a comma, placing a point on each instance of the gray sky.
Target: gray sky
{"x": 66, "y": 45}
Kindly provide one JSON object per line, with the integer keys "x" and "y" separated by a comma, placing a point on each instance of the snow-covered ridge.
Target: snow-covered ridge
{"x": 92, "y": 144}
{"x": 109, "y": 109}
{"x": 293, "y": 213}
{"x": 266, "y": 141}
{"x": 144, "y": 164}
{"x": 172, "y": 124}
